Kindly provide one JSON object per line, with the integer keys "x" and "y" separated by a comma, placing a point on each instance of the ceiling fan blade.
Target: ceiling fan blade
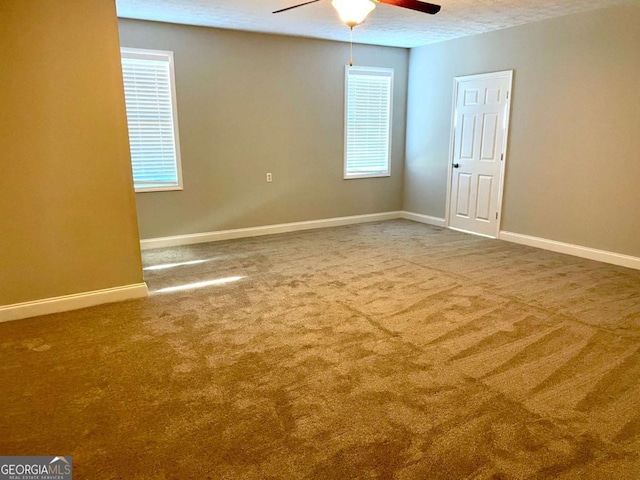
{"x": 414, "y": 5}
{"x": 295, "y": 6}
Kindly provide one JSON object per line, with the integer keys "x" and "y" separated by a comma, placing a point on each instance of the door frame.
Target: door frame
{"x": 454, "y": 113}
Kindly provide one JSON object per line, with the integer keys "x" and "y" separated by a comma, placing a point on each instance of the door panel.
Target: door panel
{"x": 489, "y": 137}
{"x": 492, "y": 95}
{"x": 483, "y": 204}
{"x": 464, "y": 195}
{"x": 471, "y": 97}
{"x": 468, "y": 136}
{"x": 479, "y": 137}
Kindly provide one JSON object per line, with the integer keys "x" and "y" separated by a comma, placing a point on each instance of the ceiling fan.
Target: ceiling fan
{"x": 353, "y": 12}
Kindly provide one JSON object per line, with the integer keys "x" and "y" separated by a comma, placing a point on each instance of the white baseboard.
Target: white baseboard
{"x": 575, "y": 250}
{"x": 190, "y": 239}
{"x": 418, "y": 217}
{"x": 71, "y": 302}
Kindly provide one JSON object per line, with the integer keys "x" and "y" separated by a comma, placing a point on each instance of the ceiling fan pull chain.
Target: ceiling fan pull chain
{"x": 351, "y": 47}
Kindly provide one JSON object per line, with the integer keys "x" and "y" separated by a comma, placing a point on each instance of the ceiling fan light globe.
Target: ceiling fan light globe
{"x": 353, "y": 12}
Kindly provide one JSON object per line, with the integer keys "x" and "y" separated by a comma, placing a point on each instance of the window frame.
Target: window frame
{"x": 164, "y": 55}
{"x": 381, "y": 71}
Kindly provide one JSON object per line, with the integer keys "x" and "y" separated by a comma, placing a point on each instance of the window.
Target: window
{"x": 149, "y": 91}
{"x": 368, "y": 94}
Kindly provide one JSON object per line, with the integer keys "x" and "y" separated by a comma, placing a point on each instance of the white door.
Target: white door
{"x": 480, "y": 126}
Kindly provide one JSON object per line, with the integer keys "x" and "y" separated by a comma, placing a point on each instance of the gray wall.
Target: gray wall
{"x": 251, "y": 103}
{"x": 573, "y": 170}
{"x": 67, "y": 208}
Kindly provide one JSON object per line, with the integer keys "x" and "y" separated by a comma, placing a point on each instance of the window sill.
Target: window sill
{"x": 367, "y": 175}
{"x": 158, "y": 189}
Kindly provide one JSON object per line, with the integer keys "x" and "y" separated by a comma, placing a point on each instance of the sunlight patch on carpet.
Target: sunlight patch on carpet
{"x": 173, "y": 265}
{"x": 193, "y": 286}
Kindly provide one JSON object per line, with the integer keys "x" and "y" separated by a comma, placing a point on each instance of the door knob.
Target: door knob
{"x": 456, "y": 165}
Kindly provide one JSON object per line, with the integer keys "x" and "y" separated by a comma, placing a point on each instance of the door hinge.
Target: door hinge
{"x": 502, "y": 157}
{"x": 496, "y": 215}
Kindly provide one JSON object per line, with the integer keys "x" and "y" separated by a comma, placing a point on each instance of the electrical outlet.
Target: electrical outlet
{"x": 269, "y": 177}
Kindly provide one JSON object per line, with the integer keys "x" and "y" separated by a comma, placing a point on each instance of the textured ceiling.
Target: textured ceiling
{"x": 386, "y": 25}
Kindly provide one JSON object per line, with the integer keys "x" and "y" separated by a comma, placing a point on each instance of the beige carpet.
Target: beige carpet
{"x": 391, "y": 350}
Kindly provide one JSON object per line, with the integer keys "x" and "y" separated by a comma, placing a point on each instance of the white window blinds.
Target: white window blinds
{"x": 152, "y": 119}
{"x": 367, "y": 121}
